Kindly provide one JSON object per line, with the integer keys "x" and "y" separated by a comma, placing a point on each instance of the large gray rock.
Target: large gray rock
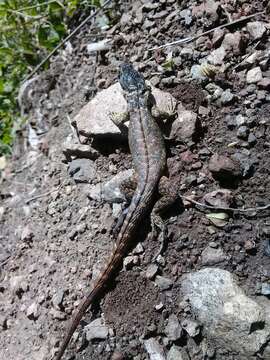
{"x": 110, "y": 191}
{"x": 230, "y": 318}
{"x": 95, "y": 118}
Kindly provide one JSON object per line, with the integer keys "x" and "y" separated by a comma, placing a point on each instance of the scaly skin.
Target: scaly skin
{"x": 149, "y": 159}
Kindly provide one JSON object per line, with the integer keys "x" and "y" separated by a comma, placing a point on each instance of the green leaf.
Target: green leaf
{"x": 47, "y": 36}
{"x": 6, "y": 55}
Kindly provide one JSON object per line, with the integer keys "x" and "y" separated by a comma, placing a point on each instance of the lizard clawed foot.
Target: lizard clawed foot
{"x": 159, "y": 232}
{"x": 169, "y": 195}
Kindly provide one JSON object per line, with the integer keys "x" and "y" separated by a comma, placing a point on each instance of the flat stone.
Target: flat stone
{"x": 185, "y": 127}
{"x": 163, "y": 282}
{"x": 72, "y": 147}
{"x": 154, "y": 349}
{"x": 211, "y": 256}
{"x": 196, "y": 72}
{"x": 223, "y": 167}
{"x": 57, "y": 314}
{"x": 227, "y": 97}
{"x": 221, "y": 198}
{"x": 264, "y": 84}
{"x": 96, "y": 330}
{"x": 234, "y": 42}
{"x": 94, "y": 119}
{"x": 173, "y": 329}
{"x": 151, "y": 271}
{"x": 192, "y": 327}
{"x": 254, "y": 75}
{"x": 176, "y": 353}
{"x": 217, "y": 56}
{"x": 256, "y": 29}
{"x": 110, "y": 191}
{"x": 82, "y": 170}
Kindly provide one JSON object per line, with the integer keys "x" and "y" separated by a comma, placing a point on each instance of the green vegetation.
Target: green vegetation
{"x": 29, "y": 29}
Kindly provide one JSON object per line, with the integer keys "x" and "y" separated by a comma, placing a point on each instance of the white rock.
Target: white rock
{"x": 254, "y": 75}
{"x": 256, "y": 29}
{"x": 155, "y": 351}
{"x": 102, "y": 45}
{"x": 217, "y": 56}
{"x": 96, "y": 330}
{"x": 191, "y": 327}
{"x": 32, "y": 311}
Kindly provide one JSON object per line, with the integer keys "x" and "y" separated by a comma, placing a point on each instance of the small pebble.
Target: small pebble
{"x": 163, "y": 282}
{"x": 243, "y": 132}
{"x": 151, "y": 271}
{"x": 173, "y": 330}
{"x": 267, "y": 248}
{"x": 265, "y": 289}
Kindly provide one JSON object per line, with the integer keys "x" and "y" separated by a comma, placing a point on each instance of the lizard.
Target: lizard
{"x": 149, "y": 160}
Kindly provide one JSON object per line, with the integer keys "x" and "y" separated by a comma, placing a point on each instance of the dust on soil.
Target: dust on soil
{"x": 51, "y": 245}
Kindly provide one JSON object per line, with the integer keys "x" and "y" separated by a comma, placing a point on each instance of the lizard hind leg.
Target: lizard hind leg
{"x": 127, "y": 187}
{"x": 169, "y": 194}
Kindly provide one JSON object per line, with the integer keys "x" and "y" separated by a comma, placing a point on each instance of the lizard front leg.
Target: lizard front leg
{"x": 127, "y": 187}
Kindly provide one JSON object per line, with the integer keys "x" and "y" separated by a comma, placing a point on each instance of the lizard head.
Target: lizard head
{"x": 131, "y": 80}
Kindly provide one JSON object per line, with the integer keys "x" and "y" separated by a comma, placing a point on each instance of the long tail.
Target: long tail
{"x": 92, "y": 296}
{"x": 136, "y": 211}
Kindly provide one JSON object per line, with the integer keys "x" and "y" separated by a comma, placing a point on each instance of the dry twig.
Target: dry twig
{"x": 45, "y": 194}
{"x": 210, "y": 207}
{"x": 195, "y": 37}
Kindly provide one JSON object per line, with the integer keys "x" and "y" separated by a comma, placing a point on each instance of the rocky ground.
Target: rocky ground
{"x": 207, "y": 294}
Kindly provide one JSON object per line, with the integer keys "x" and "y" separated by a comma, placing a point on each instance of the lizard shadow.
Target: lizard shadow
{"x": 109, "y": 145}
